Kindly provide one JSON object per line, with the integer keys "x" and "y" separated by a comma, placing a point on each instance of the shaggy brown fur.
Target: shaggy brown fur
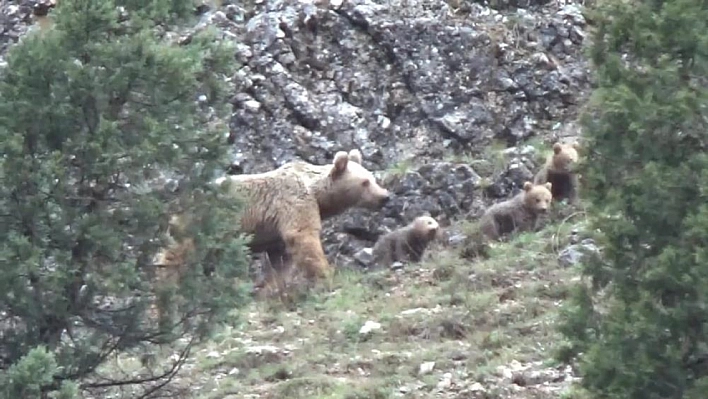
{"x": 559, "y": 170}
{"x": 519, "y": 213}
{"x": 285, "y": 207}
{"x": 406, "y": 244}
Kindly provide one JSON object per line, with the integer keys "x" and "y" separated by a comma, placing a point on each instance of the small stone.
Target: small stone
{"x": 260, "y": 349}
{"x": 286, "y": 58}
{"x": 171, "y": 185}
{"x": 384, "y": 122}
{"x": 12, "y": 10}
{"x": 445, "y": 382}
{"x": 456, "y": 239}
{"x": 507, "y": 84}
{"x": 426, "y": 368}
{"x": 368, "y": 327}
{"x": 397, "y": 266}
{"x": 477, "y": 387}
{"x": 243, "y": 52}
{"x": 573, "y": 254}
{"x": 408, "y": 312}
{"x": 252, "y": 105}
{"x": 364, "y": 256}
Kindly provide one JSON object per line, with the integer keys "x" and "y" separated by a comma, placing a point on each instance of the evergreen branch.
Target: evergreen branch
{"x": 170, "y": 373}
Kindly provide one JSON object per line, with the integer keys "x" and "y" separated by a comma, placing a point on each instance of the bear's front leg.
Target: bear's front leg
{"x": 402, "y": 250}
{"x": 537, "y": 223}
{"x": 384, "y": 252}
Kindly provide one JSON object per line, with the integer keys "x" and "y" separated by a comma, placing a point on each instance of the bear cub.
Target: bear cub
{"x": 519, "y": 213}
{"x": 406, "y": 244}
{"x": 559, "y": 170}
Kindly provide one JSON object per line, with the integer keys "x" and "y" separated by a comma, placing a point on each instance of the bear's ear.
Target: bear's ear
{"x": 577, "y": 145}
{"x": 557, "y": 147}
{"x": 340, "y": 163}
{"x": 355, "y": 156}
{"x": 528, "y": 186}
{"x": 548, "y": 186}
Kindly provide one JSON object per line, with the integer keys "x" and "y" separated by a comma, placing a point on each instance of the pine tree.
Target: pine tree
{"x": 96, "y": 114}
{"x": 29, "y": 377}
{"x": 641, "y": 326}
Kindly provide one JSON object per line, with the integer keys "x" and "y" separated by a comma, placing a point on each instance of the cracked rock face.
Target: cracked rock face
{"x": 399, "y": 82}
{"x": 421, "y": 82}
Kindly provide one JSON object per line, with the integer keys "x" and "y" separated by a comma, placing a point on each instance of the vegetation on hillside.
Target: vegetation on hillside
{"x": 93, "y": 112}
{"x": 642, "y": 322}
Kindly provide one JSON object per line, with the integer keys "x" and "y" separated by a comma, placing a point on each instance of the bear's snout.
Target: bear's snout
{"x": 375, "y": 201}
{"x": 384, "y": 200}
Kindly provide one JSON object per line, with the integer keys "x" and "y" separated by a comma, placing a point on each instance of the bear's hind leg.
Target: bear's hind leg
{"x": 305, "y": 250}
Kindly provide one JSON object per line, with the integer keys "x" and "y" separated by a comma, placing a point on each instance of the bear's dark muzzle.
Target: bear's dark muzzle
{"x": 384, "y": 200}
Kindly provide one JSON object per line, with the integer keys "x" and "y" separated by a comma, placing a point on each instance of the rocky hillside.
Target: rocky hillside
{"x": 423, "y": 88}
{"x": 426, "y": 89}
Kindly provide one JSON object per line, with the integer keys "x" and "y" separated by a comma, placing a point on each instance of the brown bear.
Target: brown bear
{"x": 519, "y": 213}
{"x": 284, "y": 208}
{"x": 559, "y": 170}
{"x": 406, "y": 244}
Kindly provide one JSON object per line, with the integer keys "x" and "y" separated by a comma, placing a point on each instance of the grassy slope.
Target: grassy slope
{"x": 475, "y": 319}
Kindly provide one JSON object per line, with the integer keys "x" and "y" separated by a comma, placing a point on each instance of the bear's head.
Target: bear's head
{"x": 426, "y": 227}
{"x": 565, "y": 157}
{"x": 351, "y": 185}
{"x": 537, "y": 197}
